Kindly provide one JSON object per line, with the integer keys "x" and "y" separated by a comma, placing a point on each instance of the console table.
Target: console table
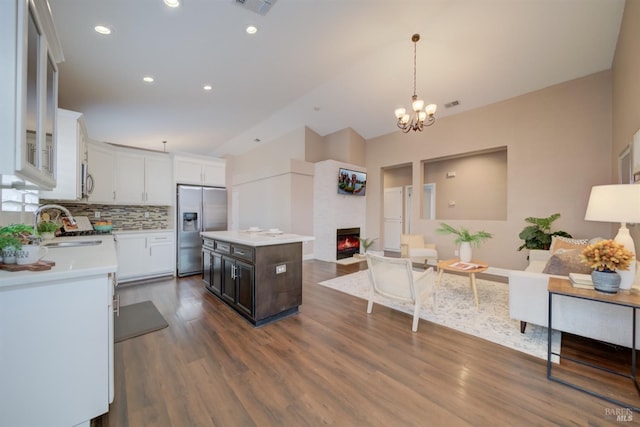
{"x": 631, "y": 300}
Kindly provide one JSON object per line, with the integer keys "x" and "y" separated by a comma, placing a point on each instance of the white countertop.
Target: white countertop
{"x": 71, "y": 262}
{"x": 262, "y": 238}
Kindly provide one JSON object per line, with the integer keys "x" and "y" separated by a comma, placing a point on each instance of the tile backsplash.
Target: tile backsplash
{"x": 123, "y": 217}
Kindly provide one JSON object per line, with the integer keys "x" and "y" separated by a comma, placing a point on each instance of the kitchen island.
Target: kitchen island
{"x": 56, "y": 336}
{"x": 258, "y": 274}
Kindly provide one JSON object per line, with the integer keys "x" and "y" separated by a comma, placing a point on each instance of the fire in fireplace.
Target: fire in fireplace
{"x": 347, "y": 242}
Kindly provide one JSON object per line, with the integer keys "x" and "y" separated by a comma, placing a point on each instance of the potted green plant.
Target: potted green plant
{"x": 538, "y": 235}
{"x": 12, "y": 237}
{"x": 464, "y": 238}
{"x": 46, "y": 229}
{"x": 366, "y": 243}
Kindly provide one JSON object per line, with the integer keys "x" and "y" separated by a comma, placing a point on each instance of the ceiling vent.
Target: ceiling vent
{"x": 452, "y": 104}
{"x": 258, "y": 6}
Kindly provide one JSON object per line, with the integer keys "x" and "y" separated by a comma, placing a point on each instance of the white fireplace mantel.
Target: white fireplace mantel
{"x": 332, "y": 210}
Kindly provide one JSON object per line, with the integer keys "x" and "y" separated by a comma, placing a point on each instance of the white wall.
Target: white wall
{"x": 332, "y": 210}
{"x": 559, "y": 146}
{"x": 271, "y": 187}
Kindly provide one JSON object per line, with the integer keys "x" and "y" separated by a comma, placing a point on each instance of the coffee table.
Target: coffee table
{"x": 450, "y": 266}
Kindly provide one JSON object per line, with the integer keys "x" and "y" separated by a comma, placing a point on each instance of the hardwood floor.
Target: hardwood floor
{"x": 332, "y": 364}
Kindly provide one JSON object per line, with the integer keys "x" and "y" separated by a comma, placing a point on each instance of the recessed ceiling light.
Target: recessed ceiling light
{"x": 148, "y": 79}
{"x": 207, "y": 87}
{"x": 251, "y": 29}
{"x": 102, "y": 29}
{"x": 172, "y": 3}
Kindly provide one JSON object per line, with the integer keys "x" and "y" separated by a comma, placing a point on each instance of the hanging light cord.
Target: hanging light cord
{"x": 415, "y": 43}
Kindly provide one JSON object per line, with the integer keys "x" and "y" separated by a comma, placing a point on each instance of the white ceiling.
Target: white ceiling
{"x": 326, "y": 64}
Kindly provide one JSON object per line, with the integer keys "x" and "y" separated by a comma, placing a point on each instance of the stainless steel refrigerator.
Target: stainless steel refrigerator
{"x": 199, "y": 209}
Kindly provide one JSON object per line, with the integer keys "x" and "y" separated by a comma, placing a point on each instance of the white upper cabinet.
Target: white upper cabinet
{"x": 158, "y": 182}
{"x": 143, "y": 178}
{"x": 129, "y": 176}
{"x": 70, "y": 157}
{"x": 200, "y": 171}
{"x": 30, "y": 51}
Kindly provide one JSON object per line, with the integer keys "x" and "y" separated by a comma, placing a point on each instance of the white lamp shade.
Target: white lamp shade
{"x": 400, "y": 112}
{"x": 614, "y": 203}
{"x": 417, "y": 105}
{"x": 431, "y": 109}
{"x": 422, "y": 116}
{"x": 405, "y": 119}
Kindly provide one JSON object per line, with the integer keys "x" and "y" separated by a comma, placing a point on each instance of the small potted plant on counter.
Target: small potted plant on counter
{"x": 47, "y": 229}
{"x": 12, "y": 237}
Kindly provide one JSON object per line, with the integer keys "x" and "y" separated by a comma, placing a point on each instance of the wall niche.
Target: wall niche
{"x": 468, "y": 186}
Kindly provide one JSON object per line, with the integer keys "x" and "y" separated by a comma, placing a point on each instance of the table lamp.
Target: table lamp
{"x": 617, "y": 203}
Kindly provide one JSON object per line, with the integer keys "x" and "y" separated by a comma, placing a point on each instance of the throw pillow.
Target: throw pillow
{"x": 566, "y": 261}
{"x": 559, "y": 242}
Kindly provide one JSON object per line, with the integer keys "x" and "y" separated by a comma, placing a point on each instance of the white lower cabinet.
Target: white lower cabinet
{"x": 145, "y": 255}
{"x": 55, "y": 361}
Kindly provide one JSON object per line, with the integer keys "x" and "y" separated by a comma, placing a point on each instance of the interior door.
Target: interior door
{"x": 392, "y": 222}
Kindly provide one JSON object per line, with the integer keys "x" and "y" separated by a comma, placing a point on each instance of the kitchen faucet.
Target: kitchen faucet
{"x": 72, "y": 221}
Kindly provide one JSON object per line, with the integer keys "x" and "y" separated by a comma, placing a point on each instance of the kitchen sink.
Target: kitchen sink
{"x": 72, "y": 243}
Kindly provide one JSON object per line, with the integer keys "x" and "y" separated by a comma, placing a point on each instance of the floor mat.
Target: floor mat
{"x": 137, "y": 319}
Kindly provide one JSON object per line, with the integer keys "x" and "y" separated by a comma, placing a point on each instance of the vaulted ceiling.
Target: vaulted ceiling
{"x": 325, "y": 64}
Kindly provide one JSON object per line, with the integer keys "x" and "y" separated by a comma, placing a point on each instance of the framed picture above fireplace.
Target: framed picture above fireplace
{"x": 352, "y": 182}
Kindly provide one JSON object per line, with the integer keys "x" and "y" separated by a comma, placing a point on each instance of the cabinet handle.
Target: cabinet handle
{"x": 89, "y": 184}
{"x": 114, "y": 195}
{"x": 239, "y": 252}
{"x": 233, "y": 272}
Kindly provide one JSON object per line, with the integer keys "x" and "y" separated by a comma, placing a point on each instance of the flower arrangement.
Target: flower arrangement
{"x": 607, "y": 255}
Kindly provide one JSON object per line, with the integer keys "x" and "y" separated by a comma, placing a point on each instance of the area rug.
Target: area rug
{"x": 137, "y": 319}
{"x": 455, "y": 309}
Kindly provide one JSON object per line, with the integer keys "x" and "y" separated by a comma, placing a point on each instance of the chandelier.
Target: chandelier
{"x": 420, "y": 117}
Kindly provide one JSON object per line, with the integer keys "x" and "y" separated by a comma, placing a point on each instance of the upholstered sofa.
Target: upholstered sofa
{"x": 529, "y": 303}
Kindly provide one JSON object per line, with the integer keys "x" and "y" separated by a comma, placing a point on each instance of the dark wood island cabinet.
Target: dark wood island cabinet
{"x": 259, "y": 275}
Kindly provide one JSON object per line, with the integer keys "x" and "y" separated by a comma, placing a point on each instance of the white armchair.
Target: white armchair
{"x": 393, "y": 278}
{"x": 412, "y": 246}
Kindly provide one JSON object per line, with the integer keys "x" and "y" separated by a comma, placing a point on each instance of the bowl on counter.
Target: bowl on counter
{"x": 103, "y": 227}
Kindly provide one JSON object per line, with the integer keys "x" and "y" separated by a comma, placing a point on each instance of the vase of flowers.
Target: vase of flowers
{"x": 606, "y": 257}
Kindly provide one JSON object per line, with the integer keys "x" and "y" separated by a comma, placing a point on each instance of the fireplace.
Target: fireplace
{"x": 347, "y": 242}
